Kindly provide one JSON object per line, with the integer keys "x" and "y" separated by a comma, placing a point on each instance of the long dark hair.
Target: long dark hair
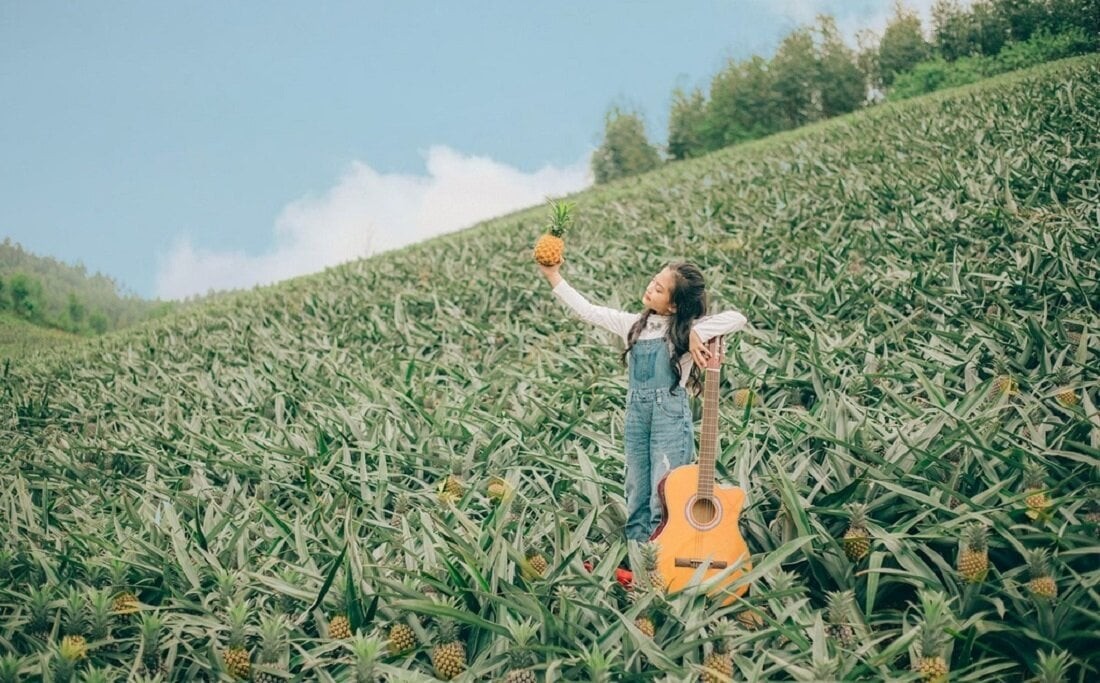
{"x": 689, "y": 295}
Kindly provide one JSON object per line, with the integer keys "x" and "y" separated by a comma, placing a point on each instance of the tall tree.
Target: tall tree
{"x": 687, "y": 125}
{"x": 952, "y": 29}
{"x": 625, "y": 150}
{"x": 841, "y": 85}
{"x": 1022, "y": 18}
{"x": 991, "y": 29}
{"x": 794, "y": 77}
{"x": 902, "y": 44}
{"x": 743, "y": 104}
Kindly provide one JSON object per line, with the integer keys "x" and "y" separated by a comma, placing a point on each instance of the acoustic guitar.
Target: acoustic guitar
{"x": 699, "y": 523}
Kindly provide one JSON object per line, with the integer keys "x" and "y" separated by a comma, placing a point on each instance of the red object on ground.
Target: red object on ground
{"x": 624, "y": 576}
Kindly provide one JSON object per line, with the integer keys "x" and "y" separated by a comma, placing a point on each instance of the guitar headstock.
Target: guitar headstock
{"x": 717, "y": 348}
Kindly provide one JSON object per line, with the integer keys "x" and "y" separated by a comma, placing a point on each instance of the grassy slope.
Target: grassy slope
{"x": 891, "y": 263}
{"x": 19, "y": 338}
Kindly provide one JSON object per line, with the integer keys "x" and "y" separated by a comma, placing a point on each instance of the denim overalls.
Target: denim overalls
{"x": 657, "y": 434}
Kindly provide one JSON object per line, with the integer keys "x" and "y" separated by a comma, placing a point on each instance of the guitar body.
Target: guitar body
{"x": 700, "y": 521}
{"x": 695, "y": 531}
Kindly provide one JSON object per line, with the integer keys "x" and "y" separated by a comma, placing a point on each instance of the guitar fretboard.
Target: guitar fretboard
{"x": 708, "y": 438}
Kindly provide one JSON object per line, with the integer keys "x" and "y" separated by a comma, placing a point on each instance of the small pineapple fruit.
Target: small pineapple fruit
{"x": 401, "y": 638}
{"x": 273, "y": 645}
{"x": 646, "y": 626}
{"x": 936, "y": 619}
{"x": 840, "y": 616}
{"x": 400, "y": 509}
{"x": 449, "y": 654}
{"x": 1005, "y": 385}
{"x": 499, "y": 490}
{"x": 74, "y": 647}
{"x": 1064, "y": 393}
{"x": 1052, "y": 667}
{"x": 534, "y": 565}
{"x": 857, "y": 542}
{"x": 744, "y": 397}
{"x": 1042, "y": 585}
{"x": 237, "y": 660}
{"x": 518, "y": 674}
{"x": 750, "y": 620}
{"x": 125, "y": 601}
{"x": 339, "y": 628}
{"x": 452, "y": 487}
{"x": 151, "y": 663}
{"x": 718, "y": 668}
{"x": 973, "y": 561}
{"x": 650, "y": 553}
{"x": 550, "y": 247}
{"x": 1036, "y": 499}
{"x": 366, "y": 650}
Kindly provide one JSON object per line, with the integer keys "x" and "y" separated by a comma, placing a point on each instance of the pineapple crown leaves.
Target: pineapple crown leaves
{"x": 857, "y": 515}
{"x": 561, "y": 217}
{"x": 273, "y": 637}
{"x": 237, "y": 623}
{"x": 936, "y": 619}
{"x": 841, "y": 605}
{"x": 1034, "y": 474}
{"x": 1038, "y": 562}
{"x": 1051, "y": 667}
{"x": 975, "y": 537}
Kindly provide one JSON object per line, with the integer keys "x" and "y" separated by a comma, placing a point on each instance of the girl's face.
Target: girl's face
{"x": 658, "y": 293}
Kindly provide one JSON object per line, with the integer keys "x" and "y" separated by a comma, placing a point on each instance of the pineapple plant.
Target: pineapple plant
{"x": 534, "y": 565}
{"x": 930, "y": 663}
{"x": 452, "y": 488}
{"x": 100, "y": 612}
{"x": 72, "y": 650}
{"x": 11, "y": 669}
{"x": 973, "y": 559}
{"x": 650, "y": 553}
{"x": 151, "y": 663}
{"x": 1064, "y": 393}
{"x": 366, "y": 650}
{"x": 1042, "y": 585}
{"x": 400, "y": 509}
{"x": 1051, "y": 667}
{"x": 550, "y": 247}
{"x": 73, "y": 618}
{"x": 38, "y": 607}
{"x": 1035, "y": 500}
{"x": 520, "y": 657}
{"x": 840, "y": 610}
{"x": 449, "y": 653}
{"x": 237, "y": 660}
{"x": 273, "y": 647}
{"x": 857, "y": 542}
{"x": 401, "y": 639}
{"x": 125, "y": 601}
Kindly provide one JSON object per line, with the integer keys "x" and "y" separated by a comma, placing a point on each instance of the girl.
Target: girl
{"x": 661, "y": 343}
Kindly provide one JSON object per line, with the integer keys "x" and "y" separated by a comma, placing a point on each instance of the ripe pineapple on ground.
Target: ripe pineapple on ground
{"x": 550, "y": 247}
{"x": 449, "y": 654}
{"x": 237, "y": 660}
{"x": 973, "y": 561}
{"x": 857, "y": 542}
{"x": 931, "y": 664}
{"x": 1064, "y": 393}
{"x": 1042, "y": 585}
{"x": 1036, "y": 500}
{"x": 401, "y": 638}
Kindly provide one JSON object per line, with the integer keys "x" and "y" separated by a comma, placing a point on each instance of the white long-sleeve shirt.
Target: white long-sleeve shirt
{"x": 620, "y": 322}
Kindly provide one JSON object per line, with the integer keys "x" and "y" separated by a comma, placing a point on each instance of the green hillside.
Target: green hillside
{"x": 19, "y": 338}
{"x": 921, "y": 281}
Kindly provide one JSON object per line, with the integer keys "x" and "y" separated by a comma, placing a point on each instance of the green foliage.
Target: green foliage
{"x": 686, "y": 125}
{"x": 840, "y": 82}
{"x": 625, "y": 150}
{"x": 255, "y": 447}
{"x": 938, "y": 73}
{"x": 742, "y": 104}
{"x": 902, "y": 45}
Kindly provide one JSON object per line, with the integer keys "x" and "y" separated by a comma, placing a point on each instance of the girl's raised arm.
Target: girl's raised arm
{"x": 712, "y": 326}
{"x": 610, "y": 319}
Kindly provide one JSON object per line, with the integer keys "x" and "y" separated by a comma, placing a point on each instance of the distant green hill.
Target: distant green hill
{"x": 48, "y": 294}
{"x": 316, "y": 457}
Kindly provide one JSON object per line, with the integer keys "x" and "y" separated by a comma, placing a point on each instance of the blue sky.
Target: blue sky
{"x": 182, "y": 147}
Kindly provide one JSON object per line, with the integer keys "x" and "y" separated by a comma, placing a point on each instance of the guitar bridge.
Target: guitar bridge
{"x": 690, "y": 562}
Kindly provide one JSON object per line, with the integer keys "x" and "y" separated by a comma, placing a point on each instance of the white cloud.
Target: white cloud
{"x": 366, "y": 213}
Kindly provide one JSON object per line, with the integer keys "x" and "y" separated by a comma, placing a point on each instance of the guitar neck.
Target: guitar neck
{"x": 708, "y": 438}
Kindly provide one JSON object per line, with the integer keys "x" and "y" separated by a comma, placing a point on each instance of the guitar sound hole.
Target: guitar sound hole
{"x": 703, "y": 511}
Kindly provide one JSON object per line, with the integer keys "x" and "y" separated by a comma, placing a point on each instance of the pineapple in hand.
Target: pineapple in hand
{"x": 550, "y": 247}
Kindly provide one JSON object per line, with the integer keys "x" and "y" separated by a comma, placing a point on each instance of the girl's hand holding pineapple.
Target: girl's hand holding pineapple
{"x": 550, "y": 248}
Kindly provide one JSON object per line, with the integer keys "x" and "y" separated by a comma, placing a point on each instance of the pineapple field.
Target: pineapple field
{"x": 410, "y": 467}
